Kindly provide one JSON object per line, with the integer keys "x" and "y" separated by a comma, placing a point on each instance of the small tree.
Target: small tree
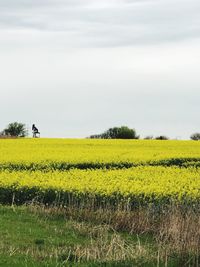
{"x": 16, "y": 129}
{"x": 195, "y": 136}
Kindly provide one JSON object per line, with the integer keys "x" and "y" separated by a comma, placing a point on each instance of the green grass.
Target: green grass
{"x": 39, "y": 240}
{"x": 22, "y": 228}
{"x": 23, "y": 233}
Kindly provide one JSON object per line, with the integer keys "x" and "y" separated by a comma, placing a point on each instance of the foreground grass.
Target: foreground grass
{"x": 31, "y": 237}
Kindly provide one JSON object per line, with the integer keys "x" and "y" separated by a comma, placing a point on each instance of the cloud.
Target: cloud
{"x": 73, "y": 63}
{"x": 105, "y": 23}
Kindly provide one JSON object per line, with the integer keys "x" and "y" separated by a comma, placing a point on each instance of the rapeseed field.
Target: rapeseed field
{"x": 99, "y": 171}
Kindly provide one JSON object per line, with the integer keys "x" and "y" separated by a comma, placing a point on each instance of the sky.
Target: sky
{"x": 79, "y": 67}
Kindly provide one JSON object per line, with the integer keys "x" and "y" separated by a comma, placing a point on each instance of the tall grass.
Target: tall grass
{"x": 174, "y": 229}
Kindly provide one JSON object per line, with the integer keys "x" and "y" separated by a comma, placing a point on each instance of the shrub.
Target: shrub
{"x": 148, "y": 137}
{"x": 161, "y": 137}
{"x": 122, "y": 132}
{"x": 195, "y": 136}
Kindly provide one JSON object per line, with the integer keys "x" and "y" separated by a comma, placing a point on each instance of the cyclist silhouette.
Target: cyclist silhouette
{"x": 35, "y": 131}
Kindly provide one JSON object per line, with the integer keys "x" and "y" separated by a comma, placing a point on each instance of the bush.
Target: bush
{"x": 195, "y": 136}
{"x": 161, "y": 137}
{"x": 148, "y": 137}
{"x": 122, "y": 132}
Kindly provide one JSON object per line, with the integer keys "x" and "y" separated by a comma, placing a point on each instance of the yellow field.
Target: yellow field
{"x": 99, "y": 151}
{"x": 53, "y": 169}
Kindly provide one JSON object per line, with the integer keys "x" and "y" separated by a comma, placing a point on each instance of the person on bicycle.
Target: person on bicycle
{"x": 35, "y": 130}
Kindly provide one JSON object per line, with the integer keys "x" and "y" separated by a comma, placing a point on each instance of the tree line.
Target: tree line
{"x": 18, "y": 129}
{"x": 125, "y": 132}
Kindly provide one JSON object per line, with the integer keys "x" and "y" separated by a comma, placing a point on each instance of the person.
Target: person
{"x": 35, "y": 130}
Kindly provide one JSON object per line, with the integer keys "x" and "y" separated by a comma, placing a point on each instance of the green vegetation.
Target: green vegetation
{"x": 122, "y": 132}
{"x": 39, "y": 236}
{"x": 15, "y": 129}
{"x": 195, "y": 137}
{"x": 161, "y": 137}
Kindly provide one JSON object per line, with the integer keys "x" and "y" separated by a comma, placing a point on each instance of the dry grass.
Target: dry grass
{"x": 182, "y": 231}
{"x": 108, "y": 247}
{"x": 176, "y": 232}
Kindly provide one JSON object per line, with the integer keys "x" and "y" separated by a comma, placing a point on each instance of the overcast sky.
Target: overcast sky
{"x": 78, "y": 67}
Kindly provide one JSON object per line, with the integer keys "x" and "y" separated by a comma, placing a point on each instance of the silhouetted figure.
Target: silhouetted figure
{"x": 35, "y": 131}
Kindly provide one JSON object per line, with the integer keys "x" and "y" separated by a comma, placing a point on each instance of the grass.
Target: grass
{"x": 32, "y": 237}
{"x": 24, "y": 234}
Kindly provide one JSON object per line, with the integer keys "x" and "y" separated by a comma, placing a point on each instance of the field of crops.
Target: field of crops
{"x": 99, "y": 171}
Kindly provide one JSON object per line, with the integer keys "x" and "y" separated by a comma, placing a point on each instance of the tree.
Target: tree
{"x": 122, "y": 132}
{"x": 195, "y": 136}
{"x": 16, "y": 129}
{"x": 126, "y": 133}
